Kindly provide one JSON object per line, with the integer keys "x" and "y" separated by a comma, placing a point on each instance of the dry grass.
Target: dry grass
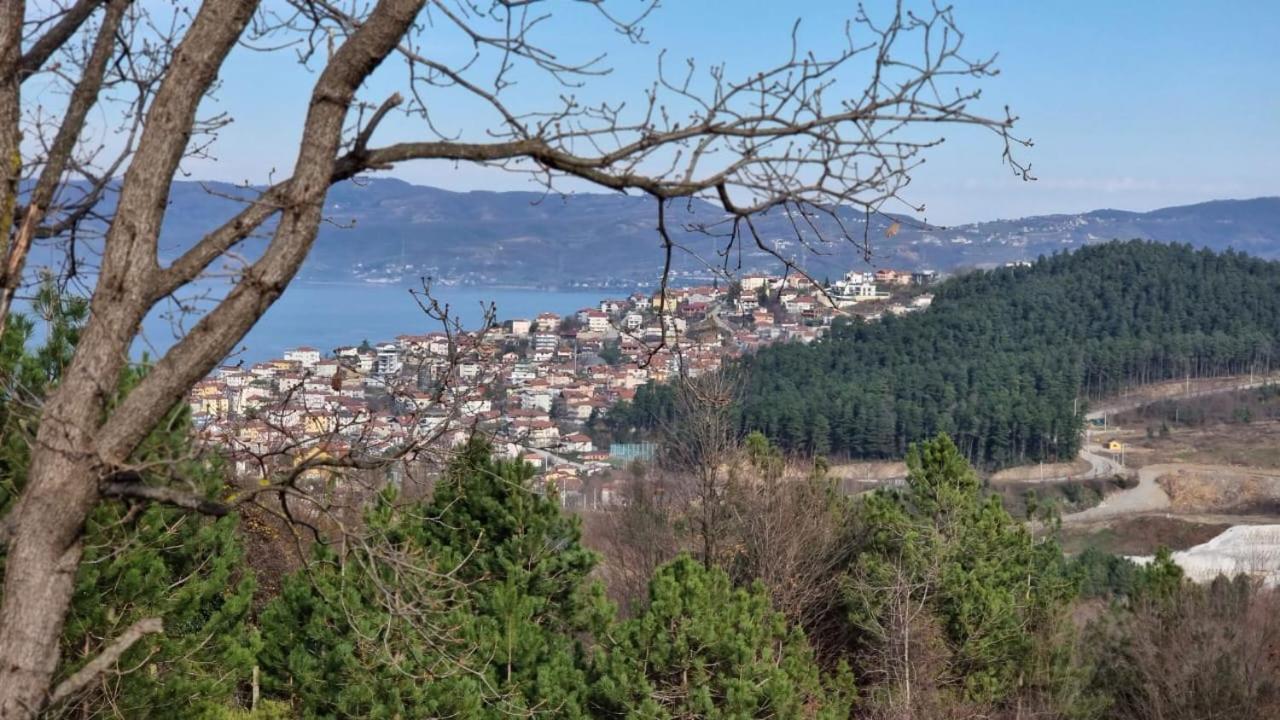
{"x": 1140, "y": 535}
{"x": 869, "y": 471}
{"x": 1033, "y": 473}
{"x": 1252, "y": 445}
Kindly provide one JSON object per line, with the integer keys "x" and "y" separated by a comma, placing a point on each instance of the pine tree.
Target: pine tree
{"x": 996, "y": 593}
{"x": 703, "y": 649}
{"x": 470, "y": 605}
{"x": 139, "y": 561}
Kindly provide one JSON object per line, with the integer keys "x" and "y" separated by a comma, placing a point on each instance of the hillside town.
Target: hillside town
{"x": 533, "y": 384}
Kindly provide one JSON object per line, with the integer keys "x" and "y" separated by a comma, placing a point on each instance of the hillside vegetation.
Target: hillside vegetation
{"x": 1002, "y": 358}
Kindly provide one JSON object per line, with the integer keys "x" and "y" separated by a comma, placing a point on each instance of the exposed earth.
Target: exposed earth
{"x": 1193, "y": 484}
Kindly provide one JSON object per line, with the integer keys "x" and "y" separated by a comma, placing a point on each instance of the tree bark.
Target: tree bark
{"x": 47, "y": 522}
{"x": 12, "y": 13}
{"x": 74, "y": 449}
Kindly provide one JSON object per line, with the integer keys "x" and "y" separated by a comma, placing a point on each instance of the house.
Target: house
{"x": 538, "y": 433}
{"x": 611, "y": 494}
{"x": 924, "y": 277}
{"x": 886, "y": 276}
{"x": 564, "y": 485}
{"x": 533, "y": 459}
{"x": 576, "y": 443}
{"x": 209, "y": 397}
{"x": 521, "y": 327}
{"x": 547, "y": 322}
{"x": 694, "y": 310}
{"x": 304, "y": 356}
{"x": 799, "y": 304}
{"x": 595, "y": 320}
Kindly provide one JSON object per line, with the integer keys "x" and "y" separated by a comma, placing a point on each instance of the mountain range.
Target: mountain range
{"x": 387, "y": 230}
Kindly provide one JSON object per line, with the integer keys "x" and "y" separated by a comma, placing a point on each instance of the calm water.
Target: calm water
{"x": 325, "y": 316}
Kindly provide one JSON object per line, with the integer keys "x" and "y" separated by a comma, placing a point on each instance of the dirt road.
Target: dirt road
{"x": 1113, "y": 406}
{"x": 1146, "y": 496}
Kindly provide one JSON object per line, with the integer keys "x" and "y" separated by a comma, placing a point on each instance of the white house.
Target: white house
{"x": 304, "y": 356}
{"x": 548, "y": 322}
{"x": 577, "y": 443}
{"x": 597, "y": 321}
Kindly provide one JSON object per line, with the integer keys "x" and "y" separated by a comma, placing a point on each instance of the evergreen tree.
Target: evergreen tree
{"x": 703, "y": 649}
{"x": 1002, "y": 358}
{"x": 469, "y": 605}
{"x": 996, "y": 593}
{"x": 139, "y": 561}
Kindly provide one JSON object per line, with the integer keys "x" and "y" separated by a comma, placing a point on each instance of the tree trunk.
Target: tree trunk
{"x": 62, "y": 489}
{"x": 74, "y": 447}
{"x": 44, "y": 554}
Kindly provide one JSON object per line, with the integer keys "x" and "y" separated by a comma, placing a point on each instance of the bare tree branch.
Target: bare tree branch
{"x": 108, "y": 657}
{"x": 42, "y": 49}
{"x": 82, "y": 100}
{"x": 166, "y": 496}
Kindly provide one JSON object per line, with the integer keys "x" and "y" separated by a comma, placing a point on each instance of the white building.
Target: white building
{"x": 304, "y": 356}
{"x": 387, "y": 361}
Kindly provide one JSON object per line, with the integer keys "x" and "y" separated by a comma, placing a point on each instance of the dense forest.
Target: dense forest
{"x": 1005, "y": 360}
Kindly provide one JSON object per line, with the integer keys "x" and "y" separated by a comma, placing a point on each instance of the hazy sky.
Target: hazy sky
{"x": 1132, "y": 105}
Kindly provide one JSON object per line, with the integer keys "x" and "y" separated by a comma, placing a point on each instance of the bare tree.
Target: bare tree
{"x": 1206, "y": 651}
{"x": 698, "y": 446}
{"x": 793, "y": 528}
{"x": 634, "y": 539}
{"x": 797, "y": 136}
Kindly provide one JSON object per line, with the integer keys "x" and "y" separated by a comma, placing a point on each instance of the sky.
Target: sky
{"x": 1133, "y": 105}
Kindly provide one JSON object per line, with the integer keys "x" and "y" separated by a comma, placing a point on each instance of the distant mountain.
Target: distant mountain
{"x": 384, "y": 229}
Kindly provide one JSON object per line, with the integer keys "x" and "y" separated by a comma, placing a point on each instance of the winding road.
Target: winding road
{"x": 1146, "y": 496}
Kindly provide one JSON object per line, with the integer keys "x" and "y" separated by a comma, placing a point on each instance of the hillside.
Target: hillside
{"x": 384, "y": 228}
{"x": 1002, "y": 357}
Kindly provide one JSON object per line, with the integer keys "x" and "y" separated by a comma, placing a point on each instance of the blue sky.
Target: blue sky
{"x": 1132, "y": 105}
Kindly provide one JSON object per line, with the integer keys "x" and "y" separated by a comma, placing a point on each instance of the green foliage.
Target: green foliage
{"x": 765, "y": 457}
{"x": 1000, "y": 359}
{"x": 1161, "y": 579}
{"x": 269, "y": 710}
{"x": 467, "y": 606}
{"x": 611, "y": 353}
{"x": 703, "y": 649}
{"x": 139, "y": 561}
{"x": 652, "y": 409}
{"x": 1102, "y": 575}
{"x": 995, "y": 592}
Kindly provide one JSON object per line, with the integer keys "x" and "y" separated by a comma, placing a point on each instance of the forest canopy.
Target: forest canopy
{"x": 1005, "y": 360}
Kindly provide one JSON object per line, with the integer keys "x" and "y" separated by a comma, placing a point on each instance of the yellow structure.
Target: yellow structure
{"x": 1115, "y": 446}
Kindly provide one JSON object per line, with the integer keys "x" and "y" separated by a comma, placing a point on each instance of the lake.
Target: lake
{"x": 328, "y": 315}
